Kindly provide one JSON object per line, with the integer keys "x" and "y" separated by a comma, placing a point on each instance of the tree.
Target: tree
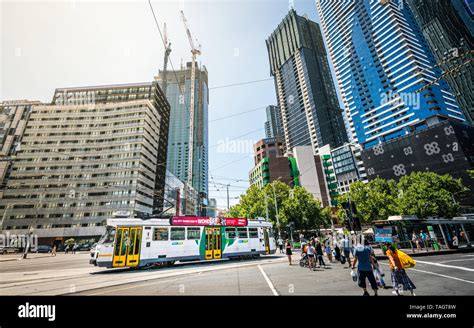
{"x": 374, "y": 201}
{"x": 294, "y": 205}
{"x": 429, "y": 194}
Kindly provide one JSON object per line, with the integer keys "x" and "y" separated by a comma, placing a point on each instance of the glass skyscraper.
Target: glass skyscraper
{"x": 179, "y": 97}
{"x": 273, "y": 125}
{"x": 382, "y": 61}
{"x": 307, "y": 98}
{"x": 450, "y": 38}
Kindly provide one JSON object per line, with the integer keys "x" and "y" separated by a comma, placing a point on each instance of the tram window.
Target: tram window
{"x": 160, "y": 234}
{"x": 178, "y": 233}
{"x": 230, "y": 233}
{"x": 194, "y": 233}
{"x": 242, "y": 232}
{"x": 253, "y": 232}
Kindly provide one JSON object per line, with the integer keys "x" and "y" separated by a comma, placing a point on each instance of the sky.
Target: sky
{"x": 50, "y": 44}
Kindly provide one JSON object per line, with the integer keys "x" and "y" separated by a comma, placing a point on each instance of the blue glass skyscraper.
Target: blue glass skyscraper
{"x": 382, "y": 60}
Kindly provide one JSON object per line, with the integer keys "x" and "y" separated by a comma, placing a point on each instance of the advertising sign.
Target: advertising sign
{"x": 383, "y": 234}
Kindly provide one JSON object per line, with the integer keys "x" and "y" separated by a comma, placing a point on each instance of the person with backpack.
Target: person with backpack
{"x": 400, "y": 279}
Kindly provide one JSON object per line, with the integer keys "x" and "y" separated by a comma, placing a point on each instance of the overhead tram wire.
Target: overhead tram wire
{"x": 237, "y": 114}
{"x": 242, "y": 83}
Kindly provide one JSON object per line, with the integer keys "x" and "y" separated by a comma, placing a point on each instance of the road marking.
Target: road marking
{"x": 438, "y": 274}
{"x": 457, "y": 260}
{"x": 445, "y": 265}
{"x": 275, "y": 293}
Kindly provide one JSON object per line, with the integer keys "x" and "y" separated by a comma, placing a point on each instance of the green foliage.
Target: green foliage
{"x": 429, "y": 194}
{"x": 294, "y": 205}
{"x": 420, "y": 193}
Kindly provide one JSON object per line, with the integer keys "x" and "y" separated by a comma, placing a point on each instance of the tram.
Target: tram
{"x": 132, "y": 242}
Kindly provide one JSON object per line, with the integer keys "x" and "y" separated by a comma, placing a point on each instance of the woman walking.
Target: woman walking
{"x": 288, "y": 251}
{"x": 319, "y": 254}
{"x": 310, "y": 250}
{"x": 400, "y": 279}
{"x": 328, "y": 251}
{"x": 416, "y": 240}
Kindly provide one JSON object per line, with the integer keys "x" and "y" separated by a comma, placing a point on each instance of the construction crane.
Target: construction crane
{"x": 195, "y": 52}
{"x": 164, "y": 83}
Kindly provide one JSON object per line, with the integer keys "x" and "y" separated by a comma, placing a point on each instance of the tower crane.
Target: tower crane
{"x": 195, "y": 51}
{"x": 164, "y": 84}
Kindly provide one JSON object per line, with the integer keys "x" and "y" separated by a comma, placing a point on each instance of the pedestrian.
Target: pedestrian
{"x": 424, "y": 242}
{"x": 288, "y": 251}
{"x": 53, "y": 252}
{"x": 346, "y": 249}
{"x": 337, "y": 252}
{"x": 363, "y": 255}
{"x": 66, "y": 249}
{"x": 416, "y": 240}
{"x": 280, "y": 244}
{"x": 319, "y": 254}
{"x": 400, "y": 279}
{"x": 329, "y": 251}
{"x": 310, "y": 250}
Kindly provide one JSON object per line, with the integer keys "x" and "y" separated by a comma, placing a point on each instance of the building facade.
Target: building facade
{"x": 92, "y": 152}
{"x": 450, "y": 38}
{"x": 14, "y": 116}
{"x": 445, "y": 147}
{"x": 283, "y": 169}
{"x": 311, "y": 173}
{"x": 178, "y": 93}
{"x": 180, "y": 199}
{"x": 273, "y": 125}
{"x": 348, "y": 166}
{"x": 381, "y": 61}
{"x": 307, "y": 98}
{"x": 268, "y": 148}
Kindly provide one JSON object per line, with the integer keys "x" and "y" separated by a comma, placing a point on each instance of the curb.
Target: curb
{"x": 434, "y": 253}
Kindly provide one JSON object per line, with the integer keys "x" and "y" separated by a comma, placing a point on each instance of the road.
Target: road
{"x": 72, "y": 275}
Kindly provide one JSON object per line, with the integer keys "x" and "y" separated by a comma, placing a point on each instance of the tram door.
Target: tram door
{"x": 213, "y": 243}
{"x": 267, "y": 241}
{"x": 127, "y": 247}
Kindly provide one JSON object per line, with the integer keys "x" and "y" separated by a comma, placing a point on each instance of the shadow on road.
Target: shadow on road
{"x": 182, "y": 264}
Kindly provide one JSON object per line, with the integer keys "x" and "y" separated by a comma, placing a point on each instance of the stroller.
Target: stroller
{"x": 304, "y": 261}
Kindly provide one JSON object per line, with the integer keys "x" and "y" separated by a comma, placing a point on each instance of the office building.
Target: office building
{"x": 268, "y": 148}
{"x": 311, "y": 173}
{"x": 445, "y": 147}
{"x": 306, "y": 95}
{"x": 178, "y": 93}
{"x": 92, "y": 152}
{"x": 381, "y": 61}
{"x": 450, "y": 38}
{"x": 13, "y": 119}
{"x": 273, "y": 125}
{"x": 180, "y": 199}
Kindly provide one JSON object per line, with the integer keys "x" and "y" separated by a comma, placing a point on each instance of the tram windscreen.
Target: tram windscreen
{"x": 108, "y": 236}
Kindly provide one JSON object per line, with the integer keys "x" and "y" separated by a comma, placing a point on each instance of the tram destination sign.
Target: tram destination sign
{"x": 207, "y": 221}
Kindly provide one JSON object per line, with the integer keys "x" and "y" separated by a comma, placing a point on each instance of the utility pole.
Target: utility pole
{"x": 266, "y": 204}
{"x": 227, "y": 187}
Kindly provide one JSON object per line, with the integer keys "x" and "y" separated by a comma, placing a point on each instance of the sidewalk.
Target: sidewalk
{"x": 379, "y": 255}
